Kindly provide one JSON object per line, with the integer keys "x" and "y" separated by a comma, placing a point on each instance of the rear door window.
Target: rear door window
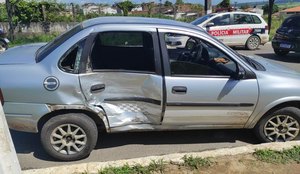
{"x": 242, "y": 19}
{"x": 123, "y": 51}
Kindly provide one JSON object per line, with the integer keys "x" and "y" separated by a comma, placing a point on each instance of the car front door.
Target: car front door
{"x": 123, "y": 77}
{"x": 201, "y": 84}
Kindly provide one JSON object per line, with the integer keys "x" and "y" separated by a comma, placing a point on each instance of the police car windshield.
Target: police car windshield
{"x": 202, "y": 19}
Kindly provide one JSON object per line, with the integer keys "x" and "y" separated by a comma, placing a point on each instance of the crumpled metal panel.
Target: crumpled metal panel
{"x": 128, "y": 98}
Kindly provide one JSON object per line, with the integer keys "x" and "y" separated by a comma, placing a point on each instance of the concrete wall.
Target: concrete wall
{"x": 57, "y": 27}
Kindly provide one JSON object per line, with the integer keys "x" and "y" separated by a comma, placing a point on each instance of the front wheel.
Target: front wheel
{"x": 253, "y": 42}
{"x": 69, "y": 137}
{"x": 279, "y": 126}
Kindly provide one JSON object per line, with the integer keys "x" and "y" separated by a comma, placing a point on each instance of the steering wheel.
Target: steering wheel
{"x": 193, "y": 50}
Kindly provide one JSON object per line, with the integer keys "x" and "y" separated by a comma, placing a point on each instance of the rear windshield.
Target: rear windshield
{"x": 49, "y": 47}
{"x": 293, "y": 22}
{"x": 202, "y": 19}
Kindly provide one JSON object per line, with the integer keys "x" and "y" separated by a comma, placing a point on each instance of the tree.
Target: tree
{"x": 10, "y": 6}
{"x": 125, "y": 6}
{"x": 179, "y": 2}
{"x": 168, "y": 4}
{"x": 224, "y": 4}
{"x": 245, "y": 6}
{"x": 266, "y": 8}
{"x": 271, "y": 4}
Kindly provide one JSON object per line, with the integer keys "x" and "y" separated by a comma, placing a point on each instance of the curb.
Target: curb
{"x": 93, "y": 167}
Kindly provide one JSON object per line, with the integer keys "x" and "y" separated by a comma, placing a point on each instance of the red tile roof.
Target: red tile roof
{"x": 294, "y": 9}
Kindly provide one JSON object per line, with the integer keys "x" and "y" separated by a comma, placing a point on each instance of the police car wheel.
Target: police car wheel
{"x": 253, "y": 42}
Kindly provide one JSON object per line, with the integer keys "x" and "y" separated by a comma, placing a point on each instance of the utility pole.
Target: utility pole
{"x": 207, "y": 6}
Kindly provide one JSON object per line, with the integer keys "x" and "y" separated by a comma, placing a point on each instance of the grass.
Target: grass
{"x": 191, "y": 163}
{"x": 279, "y": 157}
{"x": 196, "y": 162}
{"x": 154, "y": 166}
{"x": 21, "y": 39}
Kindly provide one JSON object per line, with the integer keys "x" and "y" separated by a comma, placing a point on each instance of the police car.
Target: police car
{"x": 232, "y": 28}
{"x": 236, "y": 28}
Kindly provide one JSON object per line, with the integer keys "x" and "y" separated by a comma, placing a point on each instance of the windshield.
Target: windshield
{"x": 293, "y": 22}
{"x": 49, "y": 47}
{"x": 202, "y": 19}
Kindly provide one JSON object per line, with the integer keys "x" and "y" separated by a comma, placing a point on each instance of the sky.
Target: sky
{"x": 214, "y": 2}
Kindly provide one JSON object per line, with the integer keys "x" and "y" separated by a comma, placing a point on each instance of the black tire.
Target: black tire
{"x": 253, "y": 42}
{"x": 292, "y": 114}
{"x": 86, "y": 127}
{"x": 281, "y": 52}
{"x": 3, "y": 46}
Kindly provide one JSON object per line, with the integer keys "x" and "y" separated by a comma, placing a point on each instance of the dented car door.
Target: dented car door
{"x": 124, "y": 78}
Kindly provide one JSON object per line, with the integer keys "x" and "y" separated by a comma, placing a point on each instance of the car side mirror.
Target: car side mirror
{"x": 240, "y": 73}
{"x": 210, "y": 24}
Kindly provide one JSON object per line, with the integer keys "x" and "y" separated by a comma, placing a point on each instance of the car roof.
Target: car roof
{"x": 237, "y": 12}
{"x": 137, "y": 20}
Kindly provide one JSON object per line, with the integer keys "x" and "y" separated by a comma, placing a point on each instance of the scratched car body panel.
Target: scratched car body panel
{"x": 122, "y": 74}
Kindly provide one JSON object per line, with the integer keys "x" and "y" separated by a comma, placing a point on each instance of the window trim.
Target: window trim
{"x": 83, "y": 40}
{"x": 92, "y": 39}
{"x": 217, "y": 16}
{"x": 167, "y": 65}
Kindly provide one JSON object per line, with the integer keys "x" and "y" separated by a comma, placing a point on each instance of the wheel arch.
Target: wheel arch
{"x": 293, "y": 103}
{"x": 95, "y": 117}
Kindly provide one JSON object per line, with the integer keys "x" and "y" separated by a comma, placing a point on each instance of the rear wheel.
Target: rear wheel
{"x": 281, "y": 52}
{"x": 279, "y": 126}
{"x": 69, "y": 137}
{"x": 253, "y": 42}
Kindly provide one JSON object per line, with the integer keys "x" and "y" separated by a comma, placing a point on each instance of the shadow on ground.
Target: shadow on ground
{"x": 30, "y": 143}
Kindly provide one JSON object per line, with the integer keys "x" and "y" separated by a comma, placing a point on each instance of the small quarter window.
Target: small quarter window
{"x": 71, "y": 59}
{"x": 256, "y": 19}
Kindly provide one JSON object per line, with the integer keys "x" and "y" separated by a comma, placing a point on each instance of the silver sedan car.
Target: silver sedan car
{"x": 117, "y": 74}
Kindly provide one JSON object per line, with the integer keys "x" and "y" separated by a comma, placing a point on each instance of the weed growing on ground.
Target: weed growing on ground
{"x": 154, "y": 167}
{"x": 279, "y": 157}
{"x": 196, "y": 162}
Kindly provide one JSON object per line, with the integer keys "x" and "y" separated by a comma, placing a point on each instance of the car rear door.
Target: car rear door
{"x": 123, "y": 77}
{"x": 202, "y": 94}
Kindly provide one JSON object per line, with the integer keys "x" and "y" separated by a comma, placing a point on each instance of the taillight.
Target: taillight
{"x": 266, "y": 27}
{"x": 1, "y": 97}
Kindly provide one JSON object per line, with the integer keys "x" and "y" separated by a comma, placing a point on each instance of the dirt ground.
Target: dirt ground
{"x": 241, "y": 164}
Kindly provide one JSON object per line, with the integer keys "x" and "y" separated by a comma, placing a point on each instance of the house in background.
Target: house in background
{"x": 289, "y": 11}
{"x": 90, "y": 8}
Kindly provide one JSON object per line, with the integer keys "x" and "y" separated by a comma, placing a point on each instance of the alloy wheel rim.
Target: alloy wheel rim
{"x": 253, "y": 42}
{"x": 281, "y": 128}
{"x": 68, "y": 139}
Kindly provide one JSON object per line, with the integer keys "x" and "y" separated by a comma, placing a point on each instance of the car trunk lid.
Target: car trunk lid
{"x": 24, "y": 54}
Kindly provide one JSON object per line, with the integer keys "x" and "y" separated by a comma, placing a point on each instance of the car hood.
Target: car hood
{"x": 292, "y": 32}
{"x": 273, "y": 67}
{"x": 24, "y": 54}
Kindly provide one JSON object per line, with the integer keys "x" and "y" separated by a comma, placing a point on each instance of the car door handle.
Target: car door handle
{"x": 179, "y": 90}
{"x": 97, "y": 88}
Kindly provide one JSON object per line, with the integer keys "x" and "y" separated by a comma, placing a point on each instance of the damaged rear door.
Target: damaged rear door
{"x": 124, "y": 78}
